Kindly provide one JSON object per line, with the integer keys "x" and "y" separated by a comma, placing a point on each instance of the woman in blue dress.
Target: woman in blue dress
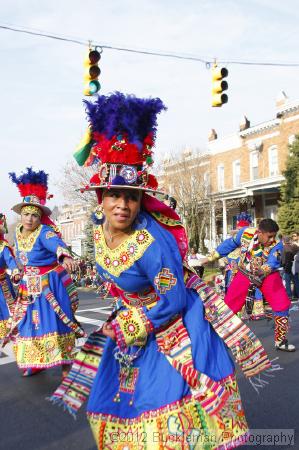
{"x": 158, "y": 373}
{"x": 7, "y": 293}
{"x": 43, "y": 321}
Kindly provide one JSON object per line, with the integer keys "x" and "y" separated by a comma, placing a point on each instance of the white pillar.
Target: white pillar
{"x": 224, "y": 219}
{"x": 213, "y": 226}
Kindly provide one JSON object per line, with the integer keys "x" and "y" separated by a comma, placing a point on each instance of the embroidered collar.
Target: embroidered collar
{"x": 26, "y": 243}
{"x": 3, "y": 244}
{"x": 121, "y": 258}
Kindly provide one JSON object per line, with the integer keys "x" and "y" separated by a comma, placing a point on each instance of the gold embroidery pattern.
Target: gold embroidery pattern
{"x": 134, "y": 326}
{"x": 46, "y": 351}
{"x": 175, "y": 426}
{"x": 3, "y": 244}
{"x": 124, "y": 256}
{"x": 25, "y": 244}
{"x": 50, "y": 234}
{"x": 4, "y": 328}
{"x": 166, "y": 220}
{"x": 31, "y": 209}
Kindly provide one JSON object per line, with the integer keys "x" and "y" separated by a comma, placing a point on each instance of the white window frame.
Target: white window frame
{"x": 220, "y": 177}
{"x": 273, "y": 171}
{"x": 254, "y": 154}
{"x": 236, "y": 176}
{"x": 206, "y": 183}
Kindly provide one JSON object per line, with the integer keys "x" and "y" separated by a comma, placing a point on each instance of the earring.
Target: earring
{"x": 97, "y": 215}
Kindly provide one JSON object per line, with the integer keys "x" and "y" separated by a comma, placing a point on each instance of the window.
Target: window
{"x": 220, "y": 177}
{"x": 236, "y": 173}
{"x": 254, "y": 165}
{"x": 273, "y": 161}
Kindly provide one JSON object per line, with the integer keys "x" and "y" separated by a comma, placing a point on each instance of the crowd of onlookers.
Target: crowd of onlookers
{"x": 290, "y": 264}
{"x": 86, "y": 274}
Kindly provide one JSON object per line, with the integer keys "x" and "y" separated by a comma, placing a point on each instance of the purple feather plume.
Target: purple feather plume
{"x": 30, "y": 177}
{"x": 118, "y": 113}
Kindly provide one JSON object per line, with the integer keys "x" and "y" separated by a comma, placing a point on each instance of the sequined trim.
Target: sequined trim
{"x": 4, "y": 328}
{"x": 50, "y": 234}
{"x": 26, "y": 243}
{"x": 62, "y": 252}
{"x": 132, "y": 327}
{"x": 124, "y": 256}
{"x": 182, "y": 424}
{"x": 46, "y": 351}
{"x": 3, "y": 244}
{"x": 31, "y": 209}
{"x": 166, "y": 220}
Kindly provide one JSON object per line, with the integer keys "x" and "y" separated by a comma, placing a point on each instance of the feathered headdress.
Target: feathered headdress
{"x": 120, "y": 140}
{"x": 244, "y": 219}
{"x": 33, "y": 187}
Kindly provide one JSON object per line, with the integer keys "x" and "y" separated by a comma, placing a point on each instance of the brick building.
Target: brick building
{"x": 72, "y": 220}
{"x": 243, "y": 171}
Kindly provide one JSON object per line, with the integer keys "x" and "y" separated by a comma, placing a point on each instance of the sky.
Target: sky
{"x": 42, "y": 117}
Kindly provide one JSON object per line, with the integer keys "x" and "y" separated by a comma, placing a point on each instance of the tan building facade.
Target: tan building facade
{"x": 72, "y": 220}
{"x": 244, "y": 169}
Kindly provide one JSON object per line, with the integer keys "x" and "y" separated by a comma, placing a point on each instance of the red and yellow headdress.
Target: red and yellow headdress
{"x": 33, "y": 187}
{"x": 120, "y": 140}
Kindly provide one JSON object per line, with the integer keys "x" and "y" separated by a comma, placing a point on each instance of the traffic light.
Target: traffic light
{"x": 219, "y": 85}
{"x": 92, "y": 72}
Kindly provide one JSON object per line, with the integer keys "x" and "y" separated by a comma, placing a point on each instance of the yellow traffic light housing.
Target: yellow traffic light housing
{"x": 219, "y": 85}
{"x": 92, "y": 72}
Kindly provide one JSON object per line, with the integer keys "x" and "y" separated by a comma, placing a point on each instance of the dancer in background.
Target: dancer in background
{"x": 43, "y": 321}
{"x": 260, "y": 259}
{"x": 254, "y": 305}
{"x": 7, "y": 293}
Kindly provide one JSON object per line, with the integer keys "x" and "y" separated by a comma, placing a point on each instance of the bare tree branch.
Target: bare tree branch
{"x": 76, "y": 177}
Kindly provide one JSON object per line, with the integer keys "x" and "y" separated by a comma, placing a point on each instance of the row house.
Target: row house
{"x": 72, "y": 220}
{"x": 243, "y": 171}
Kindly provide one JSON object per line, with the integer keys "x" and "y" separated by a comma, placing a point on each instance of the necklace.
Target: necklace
{"x": 112, "y": 236}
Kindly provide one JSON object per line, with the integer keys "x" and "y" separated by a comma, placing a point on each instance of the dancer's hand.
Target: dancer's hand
{"x": 204, "y": 261}
{"x": 108, "y": 330}
{"x": 69, "y": 264}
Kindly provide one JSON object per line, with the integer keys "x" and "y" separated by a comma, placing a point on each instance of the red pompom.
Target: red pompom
{"x": 152, "y": 181}
{"x": 95, "y": 179}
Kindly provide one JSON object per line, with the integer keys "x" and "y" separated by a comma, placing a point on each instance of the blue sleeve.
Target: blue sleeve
{"x": 9, "y": 259}
{"x": 227, "y": 246}
{"x": 162, "y": 264}
{"x": 52, "y": 242}
{"x": 274, "y": 257}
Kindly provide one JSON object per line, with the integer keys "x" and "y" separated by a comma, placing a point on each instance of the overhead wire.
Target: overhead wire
{"x": 207, "y": 62}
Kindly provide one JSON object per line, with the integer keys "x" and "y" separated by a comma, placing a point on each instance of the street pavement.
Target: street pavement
{"x": 29, "y": 422}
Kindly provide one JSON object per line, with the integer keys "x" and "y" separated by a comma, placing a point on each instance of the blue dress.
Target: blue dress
{"x": 47, "y": 300}
{"x": 154, "y": 386}
{"x": 7, "y": 294}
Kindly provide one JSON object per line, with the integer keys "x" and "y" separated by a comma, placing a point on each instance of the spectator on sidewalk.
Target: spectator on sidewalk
{"x": 287, "y": 259}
